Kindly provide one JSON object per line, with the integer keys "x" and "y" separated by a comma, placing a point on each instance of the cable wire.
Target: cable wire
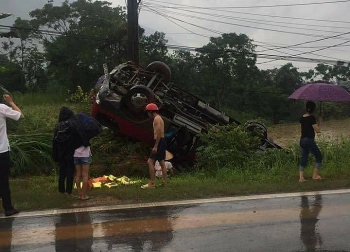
{"x": 256, "y": 14}
{"x": 246, "y": 19}
{"x": 280, "y": 57}
{"x": 260, "y": 6}
{"x": 259, "y": 28}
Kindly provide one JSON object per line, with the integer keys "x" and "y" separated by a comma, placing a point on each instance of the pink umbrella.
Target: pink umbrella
{"x": 321, "y": 92}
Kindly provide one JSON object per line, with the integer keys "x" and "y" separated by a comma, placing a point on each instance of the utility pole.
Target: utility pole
{"x": 133, "y": 32}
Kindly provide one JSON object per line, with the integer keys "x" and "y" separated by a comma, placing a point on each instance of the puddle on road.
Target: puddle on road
{"x": 156, "y": 231}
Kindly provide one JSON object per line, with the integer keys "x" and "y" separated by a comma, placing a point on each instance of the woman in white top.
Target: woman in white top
{"x": 82, "y": 161}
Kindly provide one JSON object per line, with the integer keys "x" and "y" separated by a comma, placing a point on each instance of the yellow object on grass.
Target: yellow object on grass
{"x": 97, "y": 185}
{"x": 114, "y": 182}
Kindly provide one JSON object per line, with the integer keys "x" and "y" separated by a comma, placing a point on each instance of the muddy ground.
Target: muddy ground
{"x": 288, "y": 134}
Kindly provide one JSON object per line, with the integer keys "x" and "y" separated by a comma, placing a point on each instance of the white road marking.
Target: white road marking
{"x": 176, "y": 203}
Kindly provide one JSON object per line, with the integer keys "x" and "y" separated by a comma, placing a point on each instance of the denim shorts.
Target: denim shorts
{"x": 82, "y": 160}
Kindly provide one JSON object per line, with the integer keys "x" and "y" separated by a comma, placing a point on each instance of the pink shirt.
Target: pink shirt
{"x": 82, "y": 151}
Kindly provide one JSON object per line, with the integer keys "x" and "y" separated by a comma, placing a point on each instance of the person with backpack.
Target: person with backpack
{"x": 87, "y": 128}
{"x": 71, "y": 148}
{"x": 14, "y": 113}
{"x": 63, "y": 150}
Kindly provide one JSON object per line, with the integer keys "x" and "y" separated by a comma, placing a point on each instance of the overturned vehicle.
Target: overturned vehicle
{"x": 128, "y": 88}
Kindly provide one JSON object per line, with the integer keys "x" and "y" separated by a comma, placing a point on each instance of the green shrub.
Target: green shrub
{"x": 31, "y": 154}
{"x": 225, "y": 146}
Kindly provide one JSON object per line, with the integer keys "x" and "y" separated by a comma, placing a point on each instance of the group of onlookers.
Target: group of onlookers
{"x": 71, "y": 149}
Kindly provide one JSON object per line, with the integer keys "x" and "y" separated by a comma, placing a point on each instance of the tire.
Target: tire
{"x": 161, "y": 68}
{"x": 258, "y": 129}
{"x": 137, "y": 98}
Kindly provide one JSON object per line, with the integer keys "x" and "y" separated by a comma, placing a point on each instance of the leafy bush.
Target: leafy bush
{"x": 31, "y": 153}
{"x": 225, "y": 146}
{"x": 79, "y": 95}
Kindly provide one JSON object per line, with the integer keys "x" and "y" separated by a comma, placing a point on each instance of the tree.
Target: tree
{"x": 153, "y": 48}
{"x": 10, "y": 74}
{"x": 84, "y": 35}
{"x": 18, "y": 53}
{"x": 325, "y": 71}
{"x": 288, "y": 78}
{"x": 227, "y": 61}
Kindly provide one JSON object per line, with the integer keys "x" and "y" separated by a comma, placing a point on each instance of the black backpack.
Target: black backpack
{"x": 90, "y": 126}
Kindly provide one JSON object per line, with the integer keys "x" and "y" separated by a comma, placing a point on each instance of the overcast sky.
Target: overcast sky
{"x": 191, "y": 22}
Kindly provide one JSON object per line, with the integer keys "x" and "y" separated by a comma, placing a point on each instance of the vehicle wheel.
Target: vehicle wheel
{"x": 162, "y": 68}
{"x": 258, "y": 129}
{"x": 137, "y": 98}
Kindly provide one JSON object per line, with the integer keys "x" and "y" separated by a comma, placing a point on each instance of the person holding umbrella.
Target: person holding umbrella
{"x": 309, "y": 126}
{"x": 322, "y": 92}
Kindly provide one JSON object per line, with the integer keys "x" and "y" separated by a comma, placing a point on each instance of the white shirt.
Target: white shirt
{"x": 158, "y": 168}
{"x": 6, "y": 112}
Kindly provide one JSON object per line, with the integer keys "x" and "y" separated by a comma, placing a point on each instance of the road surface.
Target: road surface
{"x": 290, "y": 222}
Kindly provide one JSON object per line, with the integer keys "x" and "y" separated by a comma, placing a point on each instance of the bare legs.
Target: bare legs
{"x": 315, "y": 175}
{"x": 82, "y": 175}
{"x": 301, "y": 177}
{"x": 164, "y": 172}
{"x": 152, "y": 174}
{"x": 152, "y": 171}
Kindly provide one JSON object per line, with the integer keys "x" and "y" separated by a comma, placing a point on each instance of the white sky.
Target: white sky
{"x": 253, "y": 23}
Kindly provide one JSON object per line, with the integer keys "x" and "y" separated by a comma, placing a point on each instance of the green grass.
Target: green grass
{"x": 35, "y": 184}
{"x": 40, "y": 192}
{"x": 272, "y": 172}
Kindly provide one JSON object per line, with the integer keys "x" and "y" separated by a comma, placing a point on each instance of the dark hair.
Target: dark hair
{"x": 310, "y": 106}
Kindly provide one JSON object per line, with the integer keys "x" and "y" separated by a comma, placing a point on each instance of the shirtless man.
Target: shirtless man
{"x": 159, "y": 148}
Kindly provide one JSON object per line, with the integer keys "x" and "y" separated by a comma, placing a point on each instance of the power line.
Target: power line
{"x": 260, "y": 6}
{"x": 256, "y": 14}
{"x": 299, "y": 47}
{"x": 279, "y": 57}
{"x": 274, "y": 49}
{"x": 276, "y": 57}
{"x": 290, "y": 54}
{"x": 252, "y": 27}
{"x": 56, "y": 33}
{"x": 313, "y": 50}
{"x": 263, "y": 56}
{"x": 247, "y": 19}
{"x": 165, "y": 16}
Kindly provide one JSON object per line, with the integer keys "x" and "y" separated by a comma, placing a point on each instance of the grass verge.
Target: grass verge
{"x": 40, "y": 192}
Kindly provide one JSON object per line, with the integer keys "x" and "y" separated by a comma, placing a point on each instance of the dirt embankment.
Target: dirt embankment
{"x": 287, "y": 134}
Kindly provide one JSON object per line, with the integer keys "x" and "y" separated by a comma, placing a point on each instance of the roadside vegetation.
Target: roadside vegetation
{"x": 55, "y": 58}
{"x": 227, "y": 164}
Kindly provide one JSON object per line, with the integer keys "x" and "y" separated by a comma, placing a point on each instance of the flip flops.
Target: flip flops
{"x": 148, "y": 186}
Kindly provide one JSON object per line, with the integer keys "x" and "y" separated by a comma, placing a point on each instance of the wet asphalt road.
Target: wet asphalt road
{"x": 295, "y": 223}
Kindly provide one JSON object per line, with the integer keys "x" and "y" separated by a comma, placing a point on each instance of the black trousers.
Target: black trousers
{"x": 5, "y": 192}
{"x": 66, "y": 175}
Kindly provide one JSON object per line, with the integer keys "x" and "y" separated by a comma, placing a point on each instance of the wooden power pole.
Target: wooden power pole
{"x": 133, "y": 32}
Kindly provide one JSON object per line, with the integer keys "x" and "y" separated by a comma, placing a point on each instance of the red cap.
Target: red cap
{"x": 151, "y": 107}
